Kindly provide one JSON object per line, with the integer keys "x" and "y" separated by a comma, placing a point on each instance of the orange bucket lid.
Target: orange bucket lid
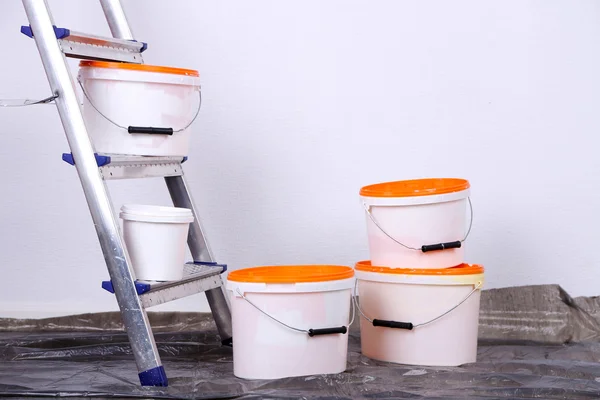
{"x": 139, "y": 67}
{"x": 416, "y": 187}
{"x": 291, "y": 274}
{"x": 463, "y": 269}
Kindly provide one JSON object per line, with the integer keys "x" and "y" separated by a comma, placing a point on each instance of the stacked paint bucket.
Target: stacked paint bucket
{"x": 418, "y": 300}
{"x": 290, "y": 320}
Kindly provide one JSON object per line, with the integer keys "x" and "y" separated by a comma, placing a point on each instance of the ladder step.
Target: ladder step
{"x": 197, "y": 278}
{"x": 117, "y": 166}
{"x": 86, "y": 46}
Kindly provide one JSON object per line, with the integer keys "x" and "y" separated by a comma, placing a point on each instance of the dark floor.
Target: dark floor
{"x": 86, "y": 356}
{"x": 101, "y": 365}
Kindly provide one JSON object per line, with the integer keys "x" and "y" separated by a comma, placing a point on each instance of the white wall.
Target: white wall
{"x": 307, "y": 101}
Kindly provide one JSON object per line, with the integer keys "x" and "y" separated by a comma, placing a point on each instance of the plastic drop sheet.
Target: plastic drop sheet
{"x": 535, "y": 342}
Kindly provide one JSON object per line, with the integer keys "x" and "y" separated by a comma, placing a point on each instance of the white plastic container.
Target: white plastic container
{"x": 420, "y": 296}
{"x": 303, "y": 297}
{"x": 156, "y": 238}
{"x": 139, "y": 95}
{"x": 404, "y": 216}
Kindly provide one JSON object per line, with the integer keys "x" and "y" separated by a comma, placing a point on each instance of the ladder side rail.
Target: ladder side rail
{"x": 116, "y": 257}
{"x": 200, "y": 250}
{"x": 117, "y": 21}
{"x": 181, "y": 196}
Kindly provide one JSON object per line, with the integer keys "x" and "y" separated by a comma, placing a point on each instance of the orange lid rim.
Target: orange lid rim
{"x": 139, "y": 67}
{"x": 462, "y": 269}
{"x": 416, "y": 187}
{"x": 291, "y": 274}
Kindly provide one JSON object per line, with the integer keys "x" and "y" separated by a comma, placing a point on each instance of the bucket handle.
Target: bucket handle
{"x": 426, "y": 247}
{"x": 143, "y": 129}
{"x": 311, "y": 332}
{"x": 408, "y": 325}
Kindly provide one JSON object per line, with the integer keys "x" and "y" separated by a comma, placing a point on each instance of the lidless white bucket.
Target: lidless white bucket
{"x": 290, "y": 320}
{"x": 155, "y": 238}
{"x": 417, "y": 223}
{"x": 124, "y": 104}
{"x": 419, "y": 317}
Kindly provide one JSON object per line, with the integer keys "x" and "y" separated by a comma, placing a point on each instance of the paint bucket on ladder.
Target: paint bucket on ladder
{"x": 155, "y": 238}
{"x": 419, "y": 223}
{"x": 139, "y": 109}
{"x": 423, "y": 317}
{"x": 290, "y": 320}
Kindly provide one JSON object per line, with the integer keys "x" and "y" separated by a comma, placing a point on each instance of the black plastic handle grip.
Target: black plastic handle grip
{"x": 393, "y": 324}
{"x": 441, "y": 246}
{"x": 149, "y": 129}
{"x": 326, "y": 331}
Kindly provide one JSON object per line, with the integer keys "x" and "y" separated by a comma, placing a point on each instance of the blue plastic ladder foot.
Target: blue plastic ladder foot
{"x": 154, "y": 377}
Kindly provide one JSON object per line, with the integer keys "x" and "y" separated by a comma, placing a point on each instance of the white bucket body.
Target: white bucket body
{"x": 264, "y": 349}
{"x": 139, "y": 98}
{"x": 449, "y": 341}
{"x": 415, "y": 222}
{"x": 155, "y": 238}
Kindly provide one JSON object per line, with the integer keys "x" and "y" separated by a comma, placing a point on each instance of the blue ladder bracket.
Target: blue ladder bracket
{"x": 184, "y": 159}
{"x": 60, "y": 33}
{"x": 141, "y": 288}
{"x": 100, "y": 160}
{"x": 210, "y": 264}
{"x": 144, "y": 45}
{"x": 154, "y": 377}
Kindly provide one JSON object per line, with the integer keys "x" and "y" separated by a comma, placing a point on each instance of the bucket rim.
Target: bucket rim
{"x": 416, "y": 187}
{"x": 139, "y": 67}
{"x": 466, "y": 274}
{"x": 152, "y": 213}
{"x": 291, "y": 274}
{"x": 462, "y": 269}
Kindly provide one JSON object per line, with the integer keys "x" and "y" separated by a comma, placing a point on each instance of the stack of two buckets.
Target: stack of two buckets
{"x": 418, "y": 302}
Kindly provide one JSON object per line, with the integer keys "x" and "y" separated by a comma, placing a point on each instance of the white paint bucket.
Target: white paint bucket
{"x": 155, "y": 238}
{"x": 417, "y": 223}
{"x": 130, "y": 108}
{"x": 290, "y": 320}
{"x": 419, "y": 317}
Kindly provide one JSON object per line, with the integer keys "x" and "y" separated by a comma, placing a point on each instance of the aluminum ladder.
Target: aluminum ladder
{"x": 133, "y": 297}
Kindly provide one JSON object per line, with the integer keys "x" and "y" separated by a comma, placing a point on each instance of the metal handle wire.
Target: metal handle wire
{"x": 368, "y": 210}
{"x": 126, "y": 128}
{"x": 357, "y": 306}
{"x": 283, "y": 323}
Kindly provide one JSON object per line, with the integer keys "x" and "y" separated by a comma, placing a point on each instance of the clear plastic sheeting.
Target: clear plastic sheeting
{"x": 542, "y": 313}
{"x": 49, "y": 358}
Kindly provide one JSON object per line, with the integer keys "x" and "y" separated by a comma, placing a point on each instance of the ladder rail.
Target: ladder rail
{"x": 200, "y": 250}
{"x": 181, "y": 196}
{"x": 116, "y": 257}
{"x": 117, "y": 21}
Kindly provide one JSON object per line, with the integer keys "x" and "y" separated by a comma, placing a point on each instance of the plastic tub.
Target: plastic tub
{"x": 155, "y": 238}
{"x": 121, "y": 96}
{"x": 418, "y": 223}
{"x": 419, "y": 317}
{"x": 312, "y": 300}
